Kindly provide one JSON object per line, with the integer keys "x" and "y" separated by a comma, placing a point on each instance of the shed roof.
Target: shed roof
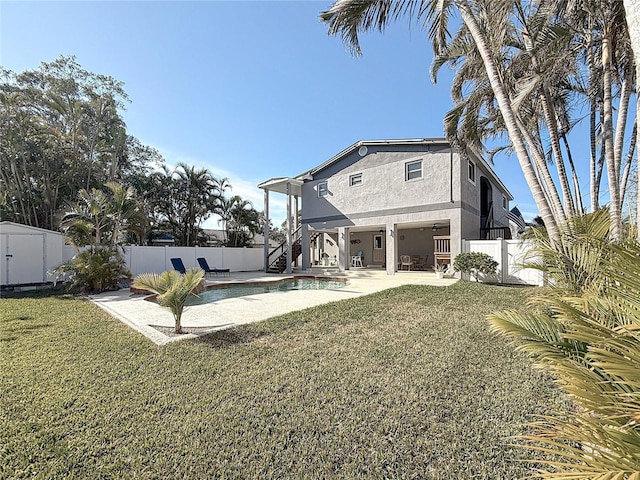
{"x": 13, "y": 227}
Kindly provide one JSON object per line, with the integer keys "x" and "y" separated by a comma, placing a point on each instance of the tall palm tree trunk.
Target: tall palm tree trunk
{"x": 547, "y": 183}
{"x": 509, "y": 119}
{"x": 632, "y": 13}
{"x": 607, "y": 126}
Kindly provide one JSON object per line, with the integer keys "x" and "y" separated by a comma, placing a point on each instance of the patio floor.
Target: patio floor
{"x": 143, "y": 315}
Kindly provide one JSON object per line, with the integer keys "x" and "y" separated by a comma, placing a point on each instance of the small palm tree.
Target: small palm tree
{"x": 173, "y": 289}
{"x": 585, "y": 330}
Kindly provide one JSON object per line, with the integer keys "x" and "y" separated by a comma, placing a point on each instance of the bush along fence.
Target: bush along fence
{"x": 510, "y": 255}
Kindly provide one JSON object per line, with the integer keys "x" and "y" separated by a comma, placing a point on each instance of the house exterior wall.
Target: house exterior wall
{"x": 386, "y": 201}
{"x": 383, "y": 191}
{"x": 470, "y": 194}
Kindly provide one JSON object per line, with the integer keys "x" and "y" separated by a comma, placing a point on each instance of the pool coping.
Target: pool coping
{"x": 141, "y": 315}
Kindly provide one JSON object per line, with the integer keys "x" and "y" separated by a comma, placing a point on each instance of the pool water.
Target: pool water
{"x": 243, "y": 290}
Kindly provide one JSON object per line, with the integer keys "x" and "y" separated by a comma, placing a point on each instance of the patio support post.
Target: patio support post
{"x": 296, "y": 224}
{"x": 347, "y": 240}
{"x": 304, "y": 242}
{"x": 455, "y": 238}
{"x": 266, "y": 229}
{"x": 288, "y": 270}
{"x": 343, "y": 233}
{"x": 391, "y": 253}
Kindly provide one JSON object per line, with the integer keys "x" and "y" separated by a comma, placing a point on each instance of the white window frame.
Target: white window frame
{"x": 472, "y": 167}
{"x": 505, "y": 204}
{"x": 323, "y": 189}
{"x": 406, "y": 170}
{"x": 353, "y": 177}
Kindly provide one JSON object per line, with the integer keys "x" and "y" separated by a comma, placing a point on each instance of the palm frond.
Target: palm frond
{"x": 172, "y": 288}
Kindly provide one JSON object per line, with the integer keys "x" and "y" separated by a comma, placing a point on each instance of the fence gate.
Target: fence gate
{"x": 23, "y": 258}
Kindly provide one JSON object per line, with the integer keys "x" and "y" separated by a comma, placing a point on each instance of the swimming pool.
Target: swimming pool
{"x": 215, "y": 293}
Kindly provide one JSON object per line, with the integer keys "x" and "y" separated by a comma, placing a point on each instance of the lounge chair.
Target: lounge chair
{"x": 178, "y": 265}
{"x": 205, "y": 266}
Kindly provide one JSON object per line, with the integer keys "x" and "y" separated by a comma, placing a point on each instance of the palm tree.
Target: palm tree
{"x": 173, "y": 289}
{"x": 87, "y": 221}
{"x": 197, "y": 190}
{"x": 242, "y": 221}
{"x": 633, "y": 23}
{"x": 521, "y": 59}
{"x": 98, "y": 220}
{"x": 350, "y": 17}
{"x": 125, "y": 213}
{"x": 585, "y": 331}
{"x": 224, "y": 211}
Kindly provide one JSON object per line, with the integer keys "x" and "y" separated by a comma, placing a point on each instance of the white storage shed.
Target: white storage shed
{"x": 28, "y": 253}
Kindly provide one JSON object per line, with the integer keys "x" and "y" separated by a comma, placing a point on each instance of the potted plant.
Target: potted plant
{"x": 439, "y": 268}
{"x": 325, "y": 258}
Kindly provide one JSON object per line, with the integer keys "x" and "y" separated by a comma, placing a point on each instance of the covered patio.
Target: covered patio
{"x": 352, "y": 243}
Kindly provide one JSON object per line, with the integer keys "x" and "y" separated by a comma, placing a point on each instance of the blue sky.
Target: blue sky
{"x": 248, "y": 89}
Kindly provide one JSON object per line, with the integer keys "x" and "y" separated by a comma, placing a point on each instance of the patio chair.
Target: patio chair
{"x": 405, "y": 261}
{"x": 356, "y": 260}
{"x": 178, "y": 265}
{"x": 205, "y": 266}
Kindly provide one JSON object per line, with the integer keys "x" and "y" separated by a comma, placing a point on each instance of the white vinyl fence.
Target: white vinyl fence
{"x": 157, "y": 259}
{"x": 29, "y": 268}
{"x": 510, "y": 255}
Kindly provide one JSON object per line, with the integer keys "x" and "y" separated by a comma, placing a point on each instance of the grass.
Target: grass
{"x": 406, "y": 383}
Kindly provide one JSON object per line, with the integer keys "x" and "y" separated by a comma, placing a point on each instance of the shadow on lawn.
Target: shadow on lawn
{"x": 233, "y": 336}
{"x": 12, "y": 330}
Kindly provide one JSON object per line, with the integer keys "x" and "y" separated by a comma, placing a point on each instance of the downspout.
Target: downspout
{"x": 450, "y": 173}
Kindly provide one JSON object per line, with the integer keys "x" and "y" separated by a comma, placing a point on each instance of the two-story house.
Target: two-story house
{"x": 380, "y": 202}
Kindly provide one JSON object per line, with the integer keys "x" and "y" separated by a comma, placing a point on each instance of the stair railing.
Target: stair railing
{"x": 281, "y": 249}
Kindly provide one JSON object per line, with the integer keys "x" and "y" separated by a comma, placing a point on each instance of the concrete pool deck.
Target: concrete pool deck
{"x": 142, "y": 315}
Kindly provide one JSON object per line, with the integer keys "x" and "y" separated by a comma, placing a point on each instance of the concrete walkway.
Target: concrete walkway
{"x": 143, "y": 315}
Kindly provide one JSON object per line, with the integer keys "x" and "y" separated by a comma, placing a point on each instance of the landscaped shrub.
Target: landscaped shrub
{"x": 173, "y": 289}
{"x": 94, "y": 271}
{"x": 475, "y": 263}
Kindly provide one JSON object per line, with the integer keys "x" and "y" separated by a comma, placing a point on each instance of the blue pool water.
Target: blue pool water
{"x": 243, "y": 290}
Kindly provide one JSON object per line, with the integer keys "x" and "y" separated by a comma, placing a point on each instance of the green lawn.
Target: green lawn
{"x": 406, "y": 383}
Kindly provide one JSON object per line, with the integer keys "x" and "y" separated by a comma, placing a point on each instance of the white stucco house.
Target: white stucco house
{"x": 380, "y": 201}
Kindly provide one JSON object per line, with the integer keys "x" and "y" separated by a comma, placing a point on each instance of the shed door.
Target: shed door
{"x": 23, "y": 257}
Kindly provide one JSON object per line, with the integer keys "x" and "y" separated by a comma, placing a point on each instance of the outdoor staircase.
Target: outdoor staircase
{"x": 277, "y": 259}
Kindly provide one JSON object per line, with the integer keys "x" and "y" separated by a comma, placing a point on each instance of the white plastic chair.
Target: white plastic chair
{"x": 405, "y": 261}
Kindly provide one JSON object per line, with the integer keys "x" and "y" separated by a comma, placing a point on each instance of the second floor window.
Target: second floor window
{"x": 413, "y": 170}
{"x": 472, "y": 172}
{"x": 323, "y": 189}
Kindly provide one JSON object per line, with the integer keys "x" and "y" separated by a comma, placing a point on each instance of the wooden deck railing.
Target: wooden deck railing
{"x": 442, "y": 249}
